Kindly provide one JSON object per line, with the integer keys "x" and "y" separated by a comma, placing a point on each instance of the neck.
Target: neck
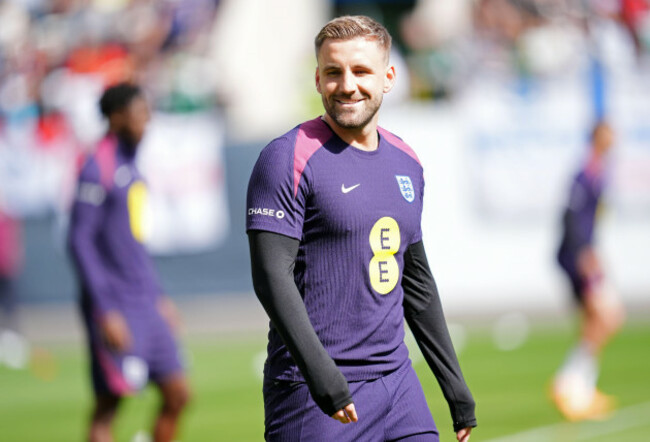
{"x": 595, "y": 163}
{"x": 127, "y": 146}
{"x": 363, "y": 138}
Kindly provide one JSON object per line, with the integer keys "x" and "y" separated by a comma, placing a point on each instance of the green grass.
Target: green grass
{"x": 50, "y": 401}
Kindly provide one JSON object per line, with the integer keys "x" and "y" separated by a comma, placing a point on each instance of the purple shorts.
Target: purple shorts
{"x": 390, "y": 408}
{"x": 154, "y": 355}
{"x": 581, "y": 286}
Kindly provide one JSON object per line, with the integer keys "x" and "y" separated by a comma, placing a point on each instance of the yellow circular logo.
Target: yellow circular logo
{"x": 136, "y": 202}
{"x": 385, "y": 240}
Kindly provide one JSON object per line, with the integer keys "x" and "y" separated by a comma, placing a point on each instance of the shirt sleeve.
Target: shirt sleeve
{"x": 272, "y": 263}
{"x": 417, "y": 236}
{"x": 85, "y": 223}
{"x": 424, "y": 315}
{"x": 575, "y": 215}
{"x": 275, "y": 203}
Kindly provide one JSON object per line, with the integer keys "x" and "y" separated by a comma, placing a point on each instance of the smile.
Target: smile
{"x": 348, "y": 102}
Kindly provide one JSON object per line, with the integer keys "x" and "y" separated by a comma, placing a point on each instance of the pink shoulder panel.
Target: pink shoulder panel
{"x": 311, "y": 137}
{"x": 105, "y": 157}
{"x": 397, "y": 142}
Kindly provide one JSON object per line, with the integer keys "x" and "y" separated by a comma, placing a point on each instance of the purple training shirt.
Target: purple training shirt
{"x": 355, "y": 213}
{"x": 107, "y": 229}
{"x": 579, "y": 217}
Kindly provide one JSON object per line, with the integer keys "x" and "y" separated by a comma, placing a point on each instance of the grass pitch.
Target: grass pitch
{"x": 50, "y": 401}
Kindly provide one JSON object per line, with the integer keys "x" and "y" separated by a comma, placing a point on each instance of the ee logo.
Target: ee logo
{"x": 136, "y": 203}
{"x": 385, "y": 240}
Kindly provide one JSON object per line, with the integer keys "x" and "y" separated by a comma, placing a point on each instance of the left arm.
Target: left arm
{"x": 424, "y": 315}
{"x": 169, "y": 311}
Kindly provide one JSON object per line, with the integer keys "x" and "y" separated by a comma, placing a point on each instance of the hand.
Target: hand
{"x": 346, "y": 415}
{"x": 169, "y": 312}
{"x": 463, "y": 435}
{"x": 589, "y": 264}
{"x": 115, "y": 331}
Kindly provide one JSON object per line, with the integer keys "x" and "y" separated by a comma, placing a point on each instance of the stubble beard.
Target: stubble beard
{"x": 353, "y": 120}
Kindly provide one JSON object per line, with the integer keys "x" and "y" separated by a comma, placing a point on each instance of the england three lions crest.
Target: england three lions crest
{"x": 406, "y": 187}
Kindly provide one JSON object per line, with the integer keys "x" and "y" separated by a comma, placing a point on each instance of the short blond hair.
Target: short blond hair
{"x": 348, "y": 27}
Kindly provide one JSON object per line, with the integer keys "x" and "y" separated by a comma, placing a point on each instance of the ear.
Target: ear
{"x": 389, "y": 79}
{"x": 318, "y": 80}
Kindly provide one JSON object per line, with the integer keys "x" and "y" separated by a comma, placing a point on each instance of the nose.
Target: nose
{"x": 348, "y": 83}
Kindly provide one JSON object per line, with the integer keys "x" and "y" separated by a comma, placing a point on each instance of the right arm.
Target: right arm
{"x": 588, "y": 263}
{"x": 425, "y": 317}
{"x": 85, "y": 223}
{"x": 272, "y": 262}
{"x": 573, "y": 223}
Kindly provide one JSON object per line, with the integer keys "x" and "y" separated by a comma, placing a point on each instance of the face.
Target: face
{"x": 352, "y": 77}
{"x": 133, "y": 120}
{"x": 603, "y": 139}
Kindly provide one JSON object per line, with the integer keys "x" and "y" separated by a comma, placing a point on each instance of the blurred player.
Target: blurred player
{"x": 334, "y": 212}
{"x": 574, "y": 386}
{"x": 129, "y": 324}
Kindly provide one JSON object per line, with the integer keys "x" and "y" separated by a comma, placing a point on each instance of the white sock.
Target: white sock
{"x": 578, "y": 375}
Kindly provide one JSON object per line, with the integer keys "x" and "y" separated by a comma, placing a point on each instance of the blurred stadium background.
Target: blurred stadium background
{"x": 496, "y": 97}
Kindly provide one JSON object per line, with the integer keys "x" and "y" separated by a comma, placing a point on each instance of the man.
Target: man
{"x": 129, "y": 324}
{"x": 574, "y": 387}
{"x": 333, "y": 221}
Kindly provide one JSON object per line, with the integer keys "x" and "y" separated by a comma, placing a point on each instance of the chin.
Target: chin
{"x": 352, "y": 125}
{"x": 352, "y": 122}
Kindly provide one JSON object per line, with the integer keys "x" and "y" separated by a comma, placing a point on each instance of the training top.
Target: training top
{"x": 579, "y": 216}
{"x": 354, "y": 213}
{"x": 107, "y": 229}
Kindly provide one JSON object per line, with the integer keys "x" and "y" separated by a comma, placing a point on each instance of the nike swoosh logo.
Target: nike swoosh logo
{"x": 349, "y": 189}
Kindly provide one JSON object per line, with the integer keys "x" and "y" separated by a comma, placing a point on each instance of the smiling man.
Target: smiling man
{"x": 333, "y": 220}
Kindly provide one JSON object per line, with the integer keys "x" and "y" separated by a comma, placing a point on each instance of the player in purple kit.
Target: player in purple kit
{"x": 129, "y": 323}
{"x": 334, "y": 212}
{"x": 574, "y": 387}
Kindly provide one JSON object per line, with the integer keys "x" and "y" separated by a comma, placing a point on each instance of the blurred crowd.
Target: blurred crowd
{"x": 57, "y": 56}
{"x": 449, "y": 44}
{"x": 46, "y": 44}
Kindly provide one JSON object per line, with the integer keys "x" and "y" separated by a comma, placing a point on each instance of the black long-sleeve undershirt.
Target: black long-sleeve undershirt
{"x": 424, "y": 315}
{"x": 272, "y": 263}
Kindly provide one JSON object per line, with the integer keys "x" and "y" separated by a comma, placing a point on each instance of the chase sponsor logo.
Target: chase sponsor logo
{"x": 91, "y": 193}
{"x": 406, "y": 187}
{"x": 279, "y": 214}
